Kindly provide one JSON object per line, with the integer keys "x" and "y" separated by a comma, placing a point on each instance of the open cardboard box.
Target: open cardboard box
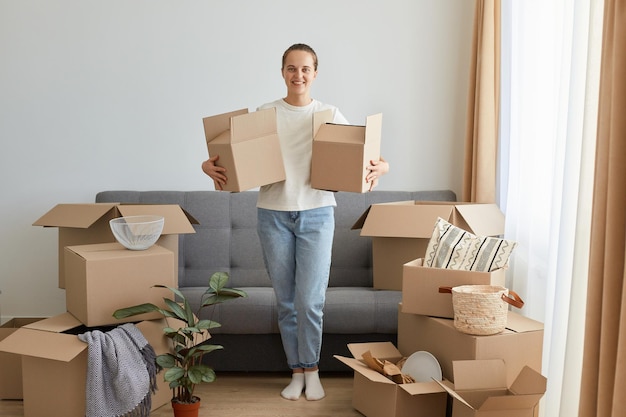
{"x": 83, "y": 224}
{"x": 401, "y": 230}
{"x": 420, "y": 287}
{"x": 341, "y": 153}
{"x": 480, "y": 390}
{"x": 248, "y": 147}
{"x": 375, "y": 395}
{"x": 54, "y": 364}
{"x": 103, "y": 277}
{"x": 519, "y": 345}
{"x": 11, "y": 364}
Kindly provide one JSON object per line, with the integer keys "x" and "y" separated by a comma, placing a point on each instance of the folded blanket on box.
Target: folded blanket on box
{"x": 121, "y": 373}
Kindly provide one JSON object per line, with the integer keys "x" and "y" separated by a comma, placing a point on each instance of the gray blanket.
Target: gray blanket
{"x": 121, "y": 373}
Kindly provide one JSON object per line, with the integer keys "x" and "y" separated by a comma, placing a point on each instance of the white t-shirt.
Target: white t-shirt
{"x": 295, "y": 132}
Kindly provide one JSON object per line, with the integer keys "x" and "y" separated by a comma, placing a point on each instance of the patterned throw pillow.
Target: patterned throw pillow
{"x": 454, "y": 248}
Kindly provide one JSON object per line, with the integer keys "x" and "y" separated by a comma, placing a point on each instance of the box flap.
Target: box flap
{"x": 417, "y": 219}
{"x": 373, "y": 129}
{"x": 43, "y": 344}
{"x": 320, "y": 118}
{"x": 253, "y": 125}
{"x": 177, "y": 220}
{"x": 529, "y": 382}
{"x": 404, "y": 219}
{"x": 520, "y": 324}
{"x": 344, "y": 134}
{"x": 114, "y": 250}
{"x": 360, "y": 367}
{"x": 419, "y": 388}
{"x": 17, "y": 322}
{"x": 479, "y": 374}
{"x": 55, "y": 324}
{"x": 379, "y": 350}
{"x": 106, "y": 250}
{"x": 510, "y": 402}
{"x": 218, "y": 124}
{"x": 450, "y": 390}
{"x": 358, "y": 224}
{"x": 74, "y": 215}
{"x": 481, "y": 219}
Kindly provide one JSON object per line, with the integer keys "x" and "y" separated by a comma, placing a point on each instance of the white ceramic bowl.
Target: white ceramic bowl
{"x": 137, "y": 232}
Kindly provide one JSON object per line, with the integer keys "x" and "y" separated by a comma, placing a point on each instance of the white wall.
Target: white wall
{"x": 99, "y": 95}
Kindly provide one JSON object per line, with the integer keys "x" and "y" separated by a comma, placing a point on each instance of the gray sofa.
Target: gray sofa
{"x": 226, "y": 240}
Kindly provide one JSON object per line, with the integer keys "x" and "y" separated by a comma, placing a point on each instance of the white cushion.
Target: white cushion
{"x": 454, "y": 248}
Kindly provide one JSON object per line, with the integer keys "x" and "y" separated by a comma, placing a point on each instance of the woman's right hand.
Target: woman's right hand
{"x": 216, "y": 173}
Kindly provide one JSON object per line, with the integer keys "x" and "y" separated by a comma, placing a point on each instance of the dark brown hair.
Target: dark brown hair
{"x": 301, "y": 47}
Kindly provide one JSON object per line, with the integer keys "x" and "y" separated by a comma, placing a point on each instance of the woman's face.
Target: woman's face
{"x": 299, "y": 72}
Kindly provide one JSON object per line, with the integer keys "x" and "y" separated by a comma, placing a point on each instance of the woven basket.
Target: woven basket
{"x": 481, "y": 309}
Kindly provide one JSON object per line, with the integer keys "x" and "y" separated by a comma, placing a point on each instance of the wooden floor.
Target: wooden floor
{"x": 254, "y": 395}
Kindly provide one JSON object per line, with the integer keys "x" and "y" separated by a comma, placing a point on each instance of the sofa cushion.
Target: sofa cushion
{"x": 348, "y": 310}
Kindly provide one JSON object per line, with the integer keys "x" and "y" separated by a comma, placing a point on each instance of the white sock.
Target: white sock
{"x": 295, "y": 387}
{"x": 314, "y": 390}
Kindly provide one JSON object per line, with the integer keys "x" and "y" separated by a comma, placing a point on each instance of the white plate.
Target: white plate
{"x": 423, "y": 367}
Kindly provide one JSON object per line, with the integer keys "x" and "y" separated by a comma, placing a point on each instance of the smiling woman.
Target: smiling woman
{"x": 296, "y": 223}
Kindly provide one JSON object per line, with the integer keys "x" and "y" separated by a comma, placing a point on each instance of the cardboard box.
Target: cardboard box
{"x": 83, "y": 224}
{"x": 104, "y": 277}
{"x": 11, "y": 364}
{"x": 54, "y": 365}
{"x": 420, "y": 287}
{"x": 341, "y": 153}
{"x": 519, "y": 345}
{"x": 248, "y": 147}
{"x": 375, "y": 395}
{"x": 489, "y": 394}
{"x": 400, "y": 231}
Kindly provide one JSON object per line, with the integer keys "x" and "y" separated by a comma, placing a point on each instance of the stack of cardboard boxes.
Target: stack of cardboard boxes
{"x": 99, "y": 276}
{"x": 509, "y": 383}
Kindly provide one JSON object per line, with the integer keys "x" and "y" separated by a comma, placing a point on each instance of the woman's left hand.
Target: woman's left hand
{"x": 376, "y": 169}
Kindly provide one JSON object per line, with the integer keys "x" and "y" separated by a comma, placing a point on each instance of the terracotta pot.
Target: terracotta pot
{"x": 186, "y": 410}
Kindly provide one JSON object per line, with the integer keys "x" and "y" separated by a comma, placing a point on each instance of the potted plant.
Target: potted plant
{"x": 183, "y": 365}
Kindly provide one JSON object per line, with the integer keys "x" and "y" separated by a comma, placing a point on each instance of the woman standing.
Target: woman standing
{"x": 296, "y": 224}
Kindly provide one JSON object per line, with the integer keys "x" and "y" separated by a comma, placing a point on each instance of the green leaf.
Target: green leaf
{"x": 123, "y": 313}
{"x": 174, "y": 290}
{"x": 191, "y": 318}
{"x": 218, "y": 281}
{"x": 208, "y": 376}
{"x": 202, "y": 349}
{"x": 166, "y": 360}
{"x": 207, "y": 324}
{"x": 219, "y": 298}
{"x": 176, "y": 309}
{"x": 233, "y": 292}
{"x": 174, "y": 374}
{"x": 201, "y": 373}
{"x": 178, "y": 339}
{"x": 195, "y": 374}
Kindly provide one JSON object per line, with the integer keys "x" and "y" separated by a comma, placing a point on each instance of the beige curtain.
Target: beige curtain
{"x": 604, "y": 359}
{"x": 481, "y": 135}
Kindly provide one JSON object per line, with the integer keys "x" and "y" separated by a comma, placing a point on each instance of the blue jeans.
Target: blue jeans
{"x": 297, "y": 247}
